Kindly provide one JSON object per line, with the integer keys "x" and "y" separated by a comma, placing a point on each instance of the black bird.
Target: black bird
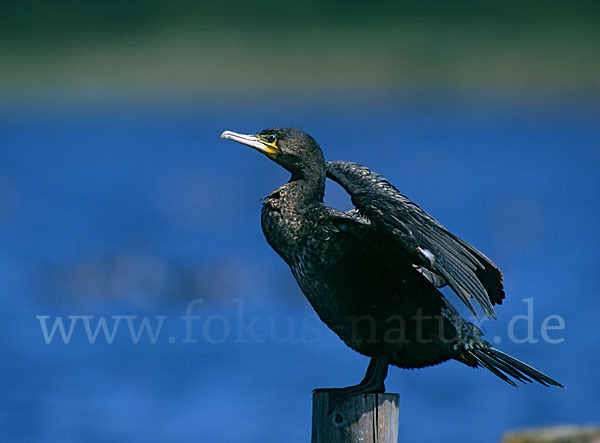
{"x": 372, "y": 274}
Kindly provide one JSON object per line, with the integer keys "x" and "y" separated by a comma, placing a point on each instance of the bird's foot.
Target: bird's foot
{"x": 336, "y": 395}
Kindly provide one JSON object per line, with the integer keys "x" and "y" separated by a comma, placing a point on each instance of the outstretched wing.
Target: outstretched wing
{"x": 438, "y": 254}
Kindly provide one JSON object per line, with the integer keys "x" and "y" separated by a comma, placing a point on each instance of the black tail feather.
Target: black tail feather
{"x": 495, "y": 361}
{"x": 503, "y": 365}
{"x": 486, "y": 363}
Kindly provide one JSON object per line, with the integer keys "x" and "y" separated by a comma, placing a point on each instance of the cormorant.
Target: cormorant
{"x": 372, "y": 274}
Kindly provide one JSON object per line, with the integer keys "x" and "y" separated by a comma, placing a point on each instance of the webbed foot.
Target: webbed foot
{"x": 337, "y": 395}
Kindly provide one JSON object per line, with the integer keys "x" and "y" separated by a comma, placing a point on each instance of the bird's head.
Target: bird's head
{"x": 292, "y": 148}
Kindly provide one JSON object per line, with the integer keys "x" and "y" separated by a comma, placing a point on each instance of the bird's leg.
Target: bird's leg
{"x": 370, "y": 372}
{"x": 373, "y": 382}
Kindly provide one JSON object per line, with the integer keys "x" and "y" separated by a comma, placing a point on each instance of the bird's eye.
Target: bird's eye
{"x": 271, "y": 138}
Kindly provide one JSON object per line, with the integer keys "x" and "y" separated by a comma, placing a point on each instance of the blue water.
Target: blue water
{"x": 138, "y": 210}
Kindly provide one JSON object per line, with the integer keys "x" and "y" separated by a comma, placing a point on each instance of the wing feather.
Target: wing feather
{"x": 470, "y": 274}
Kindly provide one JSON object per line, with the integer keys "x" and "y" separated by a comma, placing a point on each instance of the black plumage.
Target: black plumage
{"x": 372, "y": 274}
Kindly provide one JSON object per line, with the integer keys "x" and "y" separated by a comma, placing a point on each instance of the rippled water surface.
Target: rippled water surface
{"x": 137, "y": 211}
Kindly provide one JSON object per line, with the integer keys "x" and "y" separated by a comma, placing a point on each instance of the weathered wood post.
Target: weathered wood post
{"x": 368, "y": 418}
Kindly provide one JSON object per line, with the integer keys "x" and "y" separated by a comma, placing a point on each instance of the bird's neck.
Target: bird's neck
{"x": 283, "y": 217}
{"x": 307, "y": 189}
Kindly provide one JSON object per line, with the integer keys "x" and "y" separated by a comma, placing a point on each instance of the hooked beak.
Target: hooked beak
{"x": 253, "y": 141}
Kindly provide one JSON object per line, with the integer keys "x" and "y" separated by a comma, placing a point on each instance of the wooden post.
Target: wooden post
{"x": 368, "y": 418}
